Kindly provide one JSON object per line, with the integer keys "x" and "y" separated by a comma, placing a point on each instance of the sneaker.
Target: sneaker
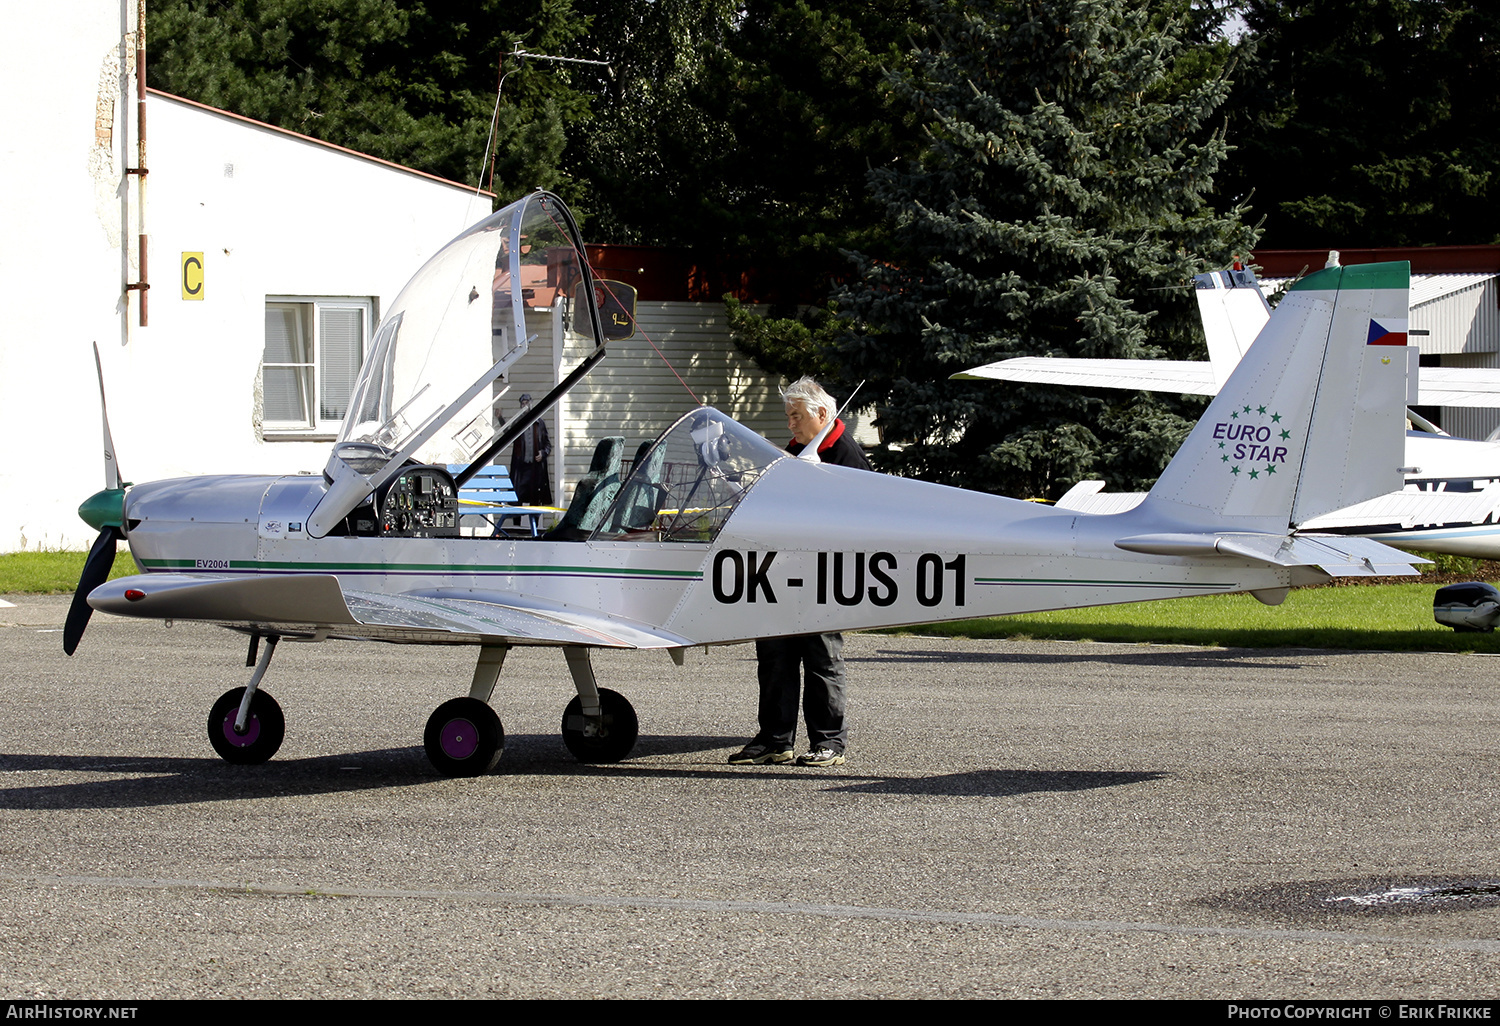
{"x": 822, "y": 757}
{"x": 756, "y": 753}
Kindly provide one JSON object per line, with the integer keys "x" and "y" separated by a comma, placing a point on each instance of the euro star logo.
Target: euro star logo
{"x": 1252, "y": 442}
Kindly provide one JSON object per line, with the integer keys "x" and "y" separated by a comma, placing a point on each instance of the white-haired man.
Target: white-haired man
{"x": 782, "y": 662}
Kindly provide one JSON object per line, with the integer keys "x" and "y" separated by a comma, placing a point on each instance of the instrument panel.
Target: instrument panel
{"x": 421, "y": 503}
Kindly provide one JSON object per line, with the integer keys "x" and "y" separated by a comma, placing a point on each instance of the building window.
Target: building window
{"x": 313, "y": 351}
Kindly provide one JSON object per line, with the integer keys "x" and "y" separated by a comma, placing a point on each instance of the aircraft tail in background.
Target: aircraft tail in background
{"x": 1233, "y": 310}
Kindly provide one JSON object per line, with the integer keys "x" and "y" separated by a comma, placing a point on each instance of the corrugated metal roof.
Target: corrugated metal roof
{"x": 1428, "y": 288}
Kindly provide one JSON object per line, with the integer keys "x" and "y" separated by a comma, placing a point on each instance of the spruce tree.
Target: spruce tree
{"x": 1057, "y": 209}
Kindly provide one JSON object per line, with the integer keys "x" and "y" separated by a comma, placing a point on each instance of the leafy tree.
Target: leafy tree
{"x": 649, "y": 149}
{"x": 412, "y": 83}
{"x": 1058, "y": 208}
{"x": 1367, "y": 124}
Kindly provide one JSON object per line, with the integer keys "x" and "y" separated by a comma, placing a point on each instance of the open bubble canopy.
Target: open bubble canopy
{"x": 428, "y": 390}
{"x": 429, "y": 384}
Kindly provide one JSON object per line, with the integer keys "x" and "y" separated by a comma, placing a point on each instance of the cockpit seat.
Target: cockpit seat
{"x": 593, "y": 494}
{"x": 641, "y": 497}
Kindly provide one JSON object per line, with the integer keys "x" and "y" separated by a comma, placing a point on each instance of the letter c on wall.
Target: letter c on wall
{"x": 192, "y": 276}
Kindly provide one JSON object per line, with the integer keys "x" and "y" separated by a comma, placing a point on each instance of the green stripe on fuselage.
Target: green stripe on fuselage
{"x": 432, "y": 568}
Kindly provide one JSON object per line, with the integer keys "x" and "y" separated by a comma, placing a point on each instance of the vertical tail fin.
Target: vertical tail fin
{"x": 1312, "y": 418}
{"x": 1233, "y": 310}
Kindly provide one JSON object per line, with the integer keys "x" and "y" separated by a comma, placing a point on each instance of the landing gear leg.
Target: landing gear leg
{"x": 599, "y": 725}
{"x": 464, "y": 737}
{"x": 246, "y": 725}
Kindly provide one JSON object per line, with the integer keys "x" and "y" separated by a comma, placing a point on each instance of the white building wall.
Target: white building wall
{"x": 64, "y": 134}
{"x": 1461, "y": 314}
{"x": 274, "y": 215}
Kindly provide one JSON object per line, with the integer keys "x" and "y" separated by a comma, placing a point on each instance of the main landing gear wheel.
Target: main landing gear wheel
{"x": 617, "y": 732}
{"x": 464, "y": 738}
{"x": 264, "y": 729}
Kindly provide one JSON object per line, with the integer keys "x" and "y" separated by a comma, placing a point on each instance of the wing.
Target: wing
{"x": 1090, "y": 497}
{"x": 317, "y": 604}
{"x": 1410, "y": 510}
{"x": 1436, "y": 386}
{"x": 1458, "y": 386}
{"x": 1183, "y": 376}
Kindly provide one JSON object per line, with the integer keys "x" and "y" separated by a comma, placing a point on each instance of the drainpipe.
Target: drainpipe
{"x": 139, "y": 170}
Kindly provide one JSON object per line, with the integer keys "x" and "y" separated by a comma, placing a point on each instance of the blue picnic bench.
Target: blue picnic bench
{"x": 490, "y": 495}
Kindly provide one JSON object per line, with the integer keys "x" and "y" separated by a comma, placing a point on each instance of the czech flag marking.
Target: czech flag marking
{"x": 1386, "y": 333}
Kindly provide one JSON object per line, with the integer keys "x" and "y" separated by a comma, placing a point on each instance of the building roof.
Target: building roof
{"x": 1287, "y": 263}
{"x": 316, "y": 142}
{"x": 1428, "y": 288}
{"x": 1425, "y": 288}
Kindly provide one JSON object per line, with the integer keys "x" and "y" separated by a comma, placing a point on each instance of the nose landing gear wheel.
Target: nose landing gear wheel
{"x": 464, "y": 738}
{"x": 264, "y": 729}
{"x": 617, "y": 732}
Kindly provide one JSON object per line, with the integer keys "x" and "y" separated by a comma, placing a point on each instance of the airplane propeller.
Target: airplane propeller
{"x": 95, "y": 572}
{"x": 104, "y": 510}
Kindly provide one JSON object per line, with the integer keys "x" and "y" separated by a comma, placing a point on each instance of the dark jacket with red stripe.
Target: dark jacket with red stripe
{"x": 838, "y": 448}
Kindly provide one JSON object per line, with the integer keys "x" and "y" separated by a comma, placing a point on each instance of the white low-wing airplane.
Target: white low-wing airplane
{"x": 718, "y": 536}
{"x": 1451, "y": 499}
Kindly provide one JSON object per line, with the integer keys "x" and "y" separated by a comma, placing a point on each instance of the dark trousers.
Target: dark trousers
{"x": 782, "y": 662}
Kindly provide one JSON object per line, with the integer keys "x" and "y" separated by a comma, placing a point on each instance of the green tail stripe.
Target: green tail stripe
{"x": 1393, "y": 275}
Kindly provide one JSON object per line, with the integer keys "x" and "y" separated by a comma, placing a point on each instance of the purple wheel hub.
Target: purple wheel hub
{"x": 252, "y": 730}
{"x": 459, "y": 738}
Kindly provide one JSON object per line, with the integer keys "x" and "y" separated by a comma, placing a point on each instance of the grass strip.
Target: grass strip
{"x": 51, "y": 573}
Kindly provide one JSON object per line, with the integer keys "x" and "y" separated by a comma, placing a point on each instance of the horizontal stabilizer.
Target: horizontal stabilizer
{"x": 1335, "y": 555}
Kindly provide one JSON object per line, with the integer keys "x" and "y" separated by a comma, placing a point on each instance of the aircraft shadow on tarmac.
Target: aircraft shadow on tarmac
{"x": 1194, "y": 658}
{"x": 143, "y": 782}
